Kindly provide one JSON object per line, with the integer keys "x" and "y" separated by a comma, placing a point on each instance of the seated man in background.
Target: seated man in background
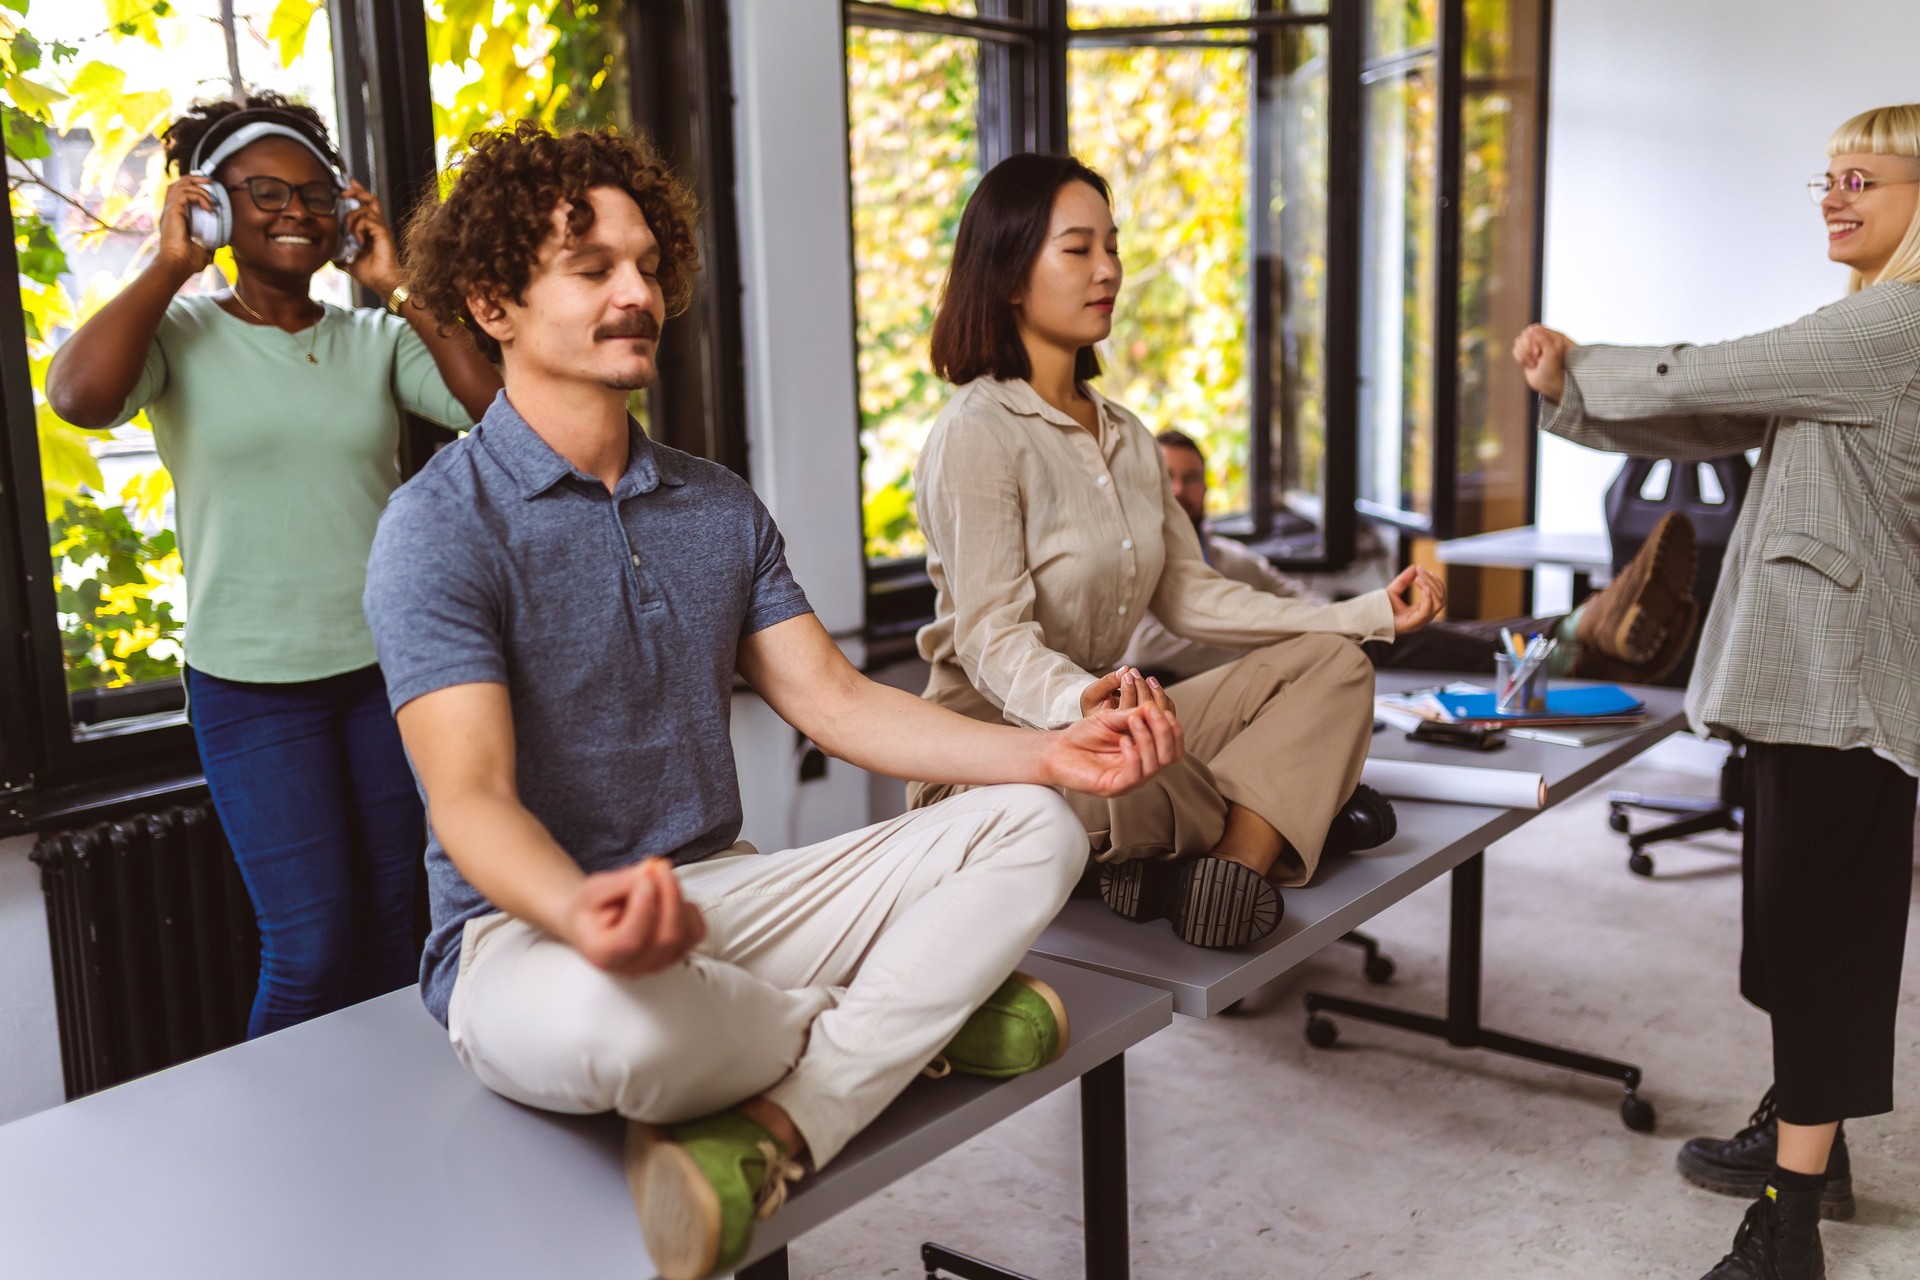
{"x": 561, "y": 607}
{"x": 1636, "y": 628}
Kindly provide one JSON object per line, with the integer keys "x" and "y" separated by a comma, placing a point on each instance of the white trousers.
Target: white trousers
{"x": 830, "y": 975}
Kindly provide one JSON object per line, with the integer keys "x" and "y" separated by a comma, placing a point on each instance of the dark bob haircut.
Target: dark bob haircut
{"x": 1005, "y": 224}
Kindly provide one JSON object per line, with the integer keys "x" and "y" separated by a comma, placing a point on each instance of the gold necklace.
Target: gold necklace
{"x": 313, "y": 336}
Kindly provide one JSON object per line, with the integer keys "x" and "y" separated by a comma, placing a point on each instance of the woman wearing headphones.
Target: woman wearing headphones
{"x": 279, "y": 419}
{"x": 1811, "y": 656}
{"x": 1051, "y": 530}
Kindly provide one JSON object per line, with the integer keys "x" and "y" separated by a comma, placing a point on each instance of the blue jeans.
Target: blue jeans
{"x": 314, "y": 792}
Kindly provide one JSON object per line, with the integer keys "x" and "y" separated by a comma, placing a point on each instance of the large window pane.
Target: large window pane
{"x": 1295, "y": 247}
{"x": 96, "y": 82}
{"x": 1127, "y": 13}
{"x": 1169, "y": 128}
{"x": 562, "y": 62}
{"x": 1498, "y": 189}
{"x": 913, "y": 104}
{"x": 1395, "y": 26}
{"x": 1399, "y": 248}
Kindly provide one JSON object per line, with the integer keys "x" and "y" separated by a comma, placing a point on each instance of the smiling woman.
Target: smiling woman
{"x": 279, "y": 417}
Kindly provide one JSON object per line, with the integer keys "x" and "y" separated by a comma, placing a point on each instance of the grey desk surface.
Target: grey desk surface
{"x": 1528, "y": 548}
{"x": 1433, "y": 839}
{"x": 356, "y": 1146}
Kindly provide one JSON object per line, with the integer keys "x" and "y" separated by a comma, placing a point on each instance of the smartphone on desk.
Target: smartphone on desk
{"x": 1469, "y": 736}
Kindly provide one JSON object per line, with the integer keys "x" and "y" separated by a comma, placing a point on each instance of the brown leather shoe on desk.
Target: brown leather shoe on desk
{"x": 1632, "y": 618}
{"x": 1591, "y": 664}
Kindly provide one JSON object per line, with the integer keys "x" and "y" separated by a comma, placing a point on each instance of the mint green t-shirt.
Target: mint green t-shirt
{"x": 281, "y": 469}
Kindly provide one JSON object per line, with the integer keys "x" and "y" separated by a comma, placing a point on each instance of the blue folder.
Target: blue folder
{"x": 1598, "y": 700}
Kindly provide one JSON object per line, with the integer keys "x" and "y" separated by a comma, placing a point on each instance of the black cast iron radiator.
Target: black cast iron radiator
{"x": 155, "y": 952}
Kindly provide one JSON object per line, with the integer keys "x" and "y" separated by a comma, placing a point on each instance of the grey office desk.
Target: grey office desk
{"x": 1589, "y": 555}
{"x": 356, "y": 1146}
{"x": 1433, "y": 840}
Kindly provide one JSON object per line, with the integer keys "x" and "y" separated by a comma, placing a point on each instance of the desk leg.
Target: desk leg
{"x": 771, "y": 1267}
{"x": 1461, "y": 1027}
{"x": 1103, "y": 1186}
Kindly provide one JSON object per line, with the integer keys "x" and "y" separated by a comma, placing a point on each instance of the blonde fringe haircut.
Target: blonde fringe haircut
{"x": 1885, "y": 131}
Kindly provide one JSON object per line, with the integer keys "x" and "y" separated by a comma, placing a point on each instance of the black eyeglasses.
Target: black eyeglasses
{"x": 270, "y": 195}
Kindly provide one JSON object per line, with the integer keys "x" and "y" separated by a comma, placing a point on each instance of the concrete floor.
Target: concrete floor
{"x": 1254, "y": 1155}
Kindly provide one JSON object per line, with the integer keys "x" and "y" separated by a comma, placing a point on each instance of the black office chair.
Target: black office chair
{"x": 1711, "y": 494}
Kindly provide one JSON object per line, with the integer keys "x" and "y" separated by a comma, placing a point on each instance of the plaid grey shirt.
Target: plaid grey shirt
{"x": 1814, "y": 634}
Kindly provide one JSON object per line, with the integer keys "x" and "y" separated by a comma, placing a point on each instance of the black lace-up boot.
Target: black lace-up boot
{"x": 1738, "y": 1166}
{"x": 1779, "y": 1240}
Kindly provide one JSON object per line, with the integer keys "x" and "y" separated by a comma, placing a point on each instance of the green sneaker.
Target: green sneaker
{"x": 1021, "y": 1028}
{"x": 699, "y": 1187}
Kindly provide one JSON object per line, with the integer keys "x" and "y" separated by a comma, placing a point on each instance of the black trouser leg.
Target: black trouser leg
{"x": 1827, "y": 878}
{"x": 1454, "y": 646}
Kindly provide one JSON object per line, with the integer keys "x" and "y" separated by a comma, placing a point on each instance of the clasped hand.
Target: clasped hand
{"x": 1128, "y": 731}
{"x": 1417, "y": 596}
{"x": 633, "y": 921}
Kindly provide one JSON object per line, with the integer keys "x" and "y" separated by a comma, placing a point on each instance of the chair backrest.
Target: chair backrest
{"x": 1710, "y": 493}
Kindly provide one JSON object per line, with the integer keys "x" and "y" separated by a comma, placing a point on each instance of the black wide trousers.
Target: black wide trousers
{"x": 1827, "y": 877}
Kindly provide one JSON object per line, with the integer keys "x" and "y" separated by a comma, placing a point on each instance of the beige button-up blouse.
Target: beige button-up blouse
{"x": 1046, "y": 547}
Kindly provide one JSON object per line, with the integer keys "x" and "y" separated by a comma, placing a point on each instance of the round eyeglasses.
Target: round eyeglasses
{"x": 1849, "y": 185}
{"x": 270, "y": 195}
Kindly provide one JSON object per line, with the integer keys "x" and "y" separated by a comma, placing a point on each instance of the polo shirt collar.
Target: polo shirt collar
{"x": 536, "y": 468}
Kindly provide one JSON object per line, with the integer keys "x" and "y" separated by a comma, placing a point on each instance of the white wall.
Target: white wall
{"x": 29, "y": 1033}
{"x": 790, "y": 137}
{"x": 1680, "y": 139}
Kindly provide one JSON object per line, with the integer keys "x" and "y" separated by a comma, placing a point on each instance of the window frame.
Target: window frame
{"x": 1023, "y": 106}
{"x": 385, "y": 109}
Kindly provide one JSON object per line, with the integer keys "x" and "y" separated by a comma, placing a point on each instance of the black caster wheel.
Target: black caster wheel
{"x": 1379, "y": 970}
{"x": 1619, "y": 821}
{"x": 1637, "y": 1112}
{"x": 1320, "y": 1033}
{"x": 1640, "y": 864}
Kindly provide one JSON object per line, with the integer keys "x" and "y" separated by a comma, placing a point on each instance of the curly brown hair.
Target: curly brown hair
{"x": 485, "y": 236}
{"x": 181, "y": 137}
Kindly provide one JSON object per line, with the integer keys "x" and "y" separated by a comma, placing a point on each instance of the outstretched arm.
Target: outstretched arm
{"x": 800, "y": 671}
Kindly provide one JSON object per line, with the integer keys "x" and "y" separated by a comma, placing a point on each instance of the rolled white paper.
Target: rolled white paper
{"x": 1456, "y": 784}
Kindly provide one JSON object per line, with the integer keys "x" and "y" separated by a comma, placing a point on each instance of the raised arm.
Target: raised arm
{"x": 800, "y": 671}
{"x": 97, "y": 368}
{"x": 1843, "y": 364}
{"x": 468, "y": 375}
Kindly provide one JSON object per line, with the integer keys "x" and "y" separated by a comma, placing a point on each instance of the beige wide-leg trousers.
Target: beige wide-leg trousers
{"x": 830, "y": 975}
{"x": 1282, "y": 731}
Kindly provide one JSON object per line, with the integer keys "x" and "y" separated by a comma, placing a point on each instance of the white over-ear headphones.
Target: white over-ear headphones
{"x": 212, "y": 228}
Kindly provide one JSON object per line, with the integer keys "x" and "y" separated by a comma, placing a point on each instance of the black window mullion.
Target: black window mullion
{"x": 1346, "y": 35}
{"x": 25, "y": 554}
{"x": 1446, "y": 303}
{"x": 1264, "y": 246}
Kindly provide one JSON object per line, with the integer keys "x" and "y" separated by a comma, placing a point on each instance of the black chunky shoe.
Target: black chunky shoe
{"x": 1365, "y": 821}
{"x": 1740, "y": 1165}
{"x": 1212, "y": 902}
{"x": 1778, "y": 1240}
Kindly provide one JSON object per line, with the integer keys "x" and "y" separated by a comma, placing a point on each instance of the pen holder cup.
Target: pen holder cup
{"x": 1511, "y": 699}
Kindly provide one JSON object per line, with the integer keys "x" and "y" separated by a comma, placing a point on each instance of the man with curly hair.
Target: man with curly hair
{"x": 561, "y": 607}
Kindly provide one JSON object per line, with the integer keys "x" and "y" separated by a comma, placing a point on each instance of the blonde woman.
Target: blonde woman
{"x": 1051, "y": 531}
{"x": 1811, "y": 656}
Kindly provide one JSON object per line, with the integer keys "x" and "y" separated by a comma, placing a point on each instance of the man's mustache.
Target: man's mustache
{"x": 641, "y": 326}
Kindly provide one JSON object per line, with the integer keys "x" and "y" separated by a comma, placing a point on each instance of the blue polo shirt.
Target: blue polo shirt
{"x": 613, "y": 619}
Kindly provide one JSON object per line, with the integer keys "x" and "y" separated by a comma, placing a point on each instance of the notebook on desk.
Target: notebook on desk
{"x": 1575, "y": 706}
